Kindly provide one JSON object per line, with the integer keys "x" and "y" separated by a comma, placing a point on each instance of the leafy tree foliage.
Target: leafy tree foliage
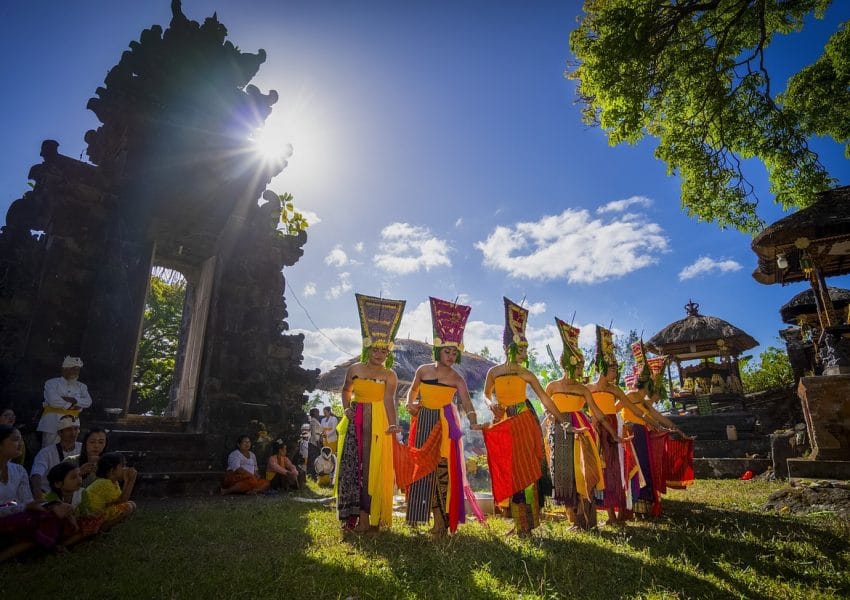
{"x": 158, "y": 344}
{"x": 773, "y": 371}
{"x": 692, "y": 73}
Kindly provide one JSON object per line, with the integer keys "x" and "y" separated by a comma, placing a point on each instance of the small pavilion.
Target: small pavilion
{"x": 716, "y": 344}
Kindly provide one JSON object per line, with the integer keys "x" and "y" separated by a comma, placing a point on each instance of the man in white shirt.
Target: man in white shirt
{"x": 68, "y": 429}
{"x": 329, "y": 423}
{"x": 63, "y": 396}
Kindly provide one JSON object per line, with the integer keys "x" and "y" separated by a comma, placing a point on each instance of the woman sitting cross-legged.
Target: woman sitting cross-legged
{"x": 24, "y": 523}
{"x": 106, "y": 502}
{"x": 241, "y": 476}
{"x": 281, "y": 473}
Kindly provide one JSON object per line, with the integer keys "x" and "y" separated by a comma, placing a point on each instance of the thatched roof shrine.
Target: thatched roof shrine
{"x": 409, "y": 355}
{"x": 803, "y": 305}
{"x": 819, "y": 234}
{"x": 700, "y": 336}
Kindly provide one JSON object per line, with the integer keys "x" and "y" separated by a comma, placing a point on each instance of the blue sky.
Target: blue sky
{"x": 437, "y": 151}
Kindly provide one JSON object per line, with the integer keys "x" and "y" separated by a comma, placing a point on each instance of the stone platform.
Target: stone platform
{"x": 818, "y": 469}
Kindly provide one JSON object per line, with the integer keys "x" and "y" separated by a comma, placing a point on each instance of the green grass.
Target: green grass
{"x": 713, "y": 542}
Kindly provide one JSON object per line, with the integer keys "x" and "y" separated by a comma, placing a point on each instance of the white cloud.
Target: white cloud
{"x": 621, "y": 205}
{"x": 358, "y": 247}
{"x": 706, "y": 264}
{"x": 309, "y": 216}
{"x": 323, "y": 353}
{"x": 416, "y": 323}
{"x": 538, "y": 308}
{"x": 406, "y": 249}
{"x": 309, "y": 289}
{"x": 343, "y": 285}
{"x": 336, "y": 257}
{"x": 574, "y": 246}
{"x": 459, "y": 222}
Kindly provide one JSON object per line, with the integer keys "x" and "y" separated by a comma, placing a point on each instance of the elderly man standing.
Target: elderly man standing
{"x": 68, "y": 428}
{"x": 63, "y": 395}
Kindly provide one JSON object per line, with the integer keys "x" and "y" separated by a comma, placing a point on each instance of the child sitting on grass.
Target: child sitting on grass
{"x": 105, "y": 500}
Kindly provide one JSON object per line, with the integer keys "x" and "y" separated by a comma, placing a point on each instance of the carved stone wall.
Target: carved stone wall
{"x": 173, "y": 182}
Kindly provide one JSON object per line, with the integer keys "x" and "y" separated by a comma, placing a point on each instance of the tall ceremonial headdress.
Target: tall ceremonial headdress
{"x": 516, "y": 318}
{"x": 605, "y": 357}
{"x": 572, "y": 358}
{"x": 649, "y": 371}
{"x": 379, "y": 321}
{"x": 449, "y": 321}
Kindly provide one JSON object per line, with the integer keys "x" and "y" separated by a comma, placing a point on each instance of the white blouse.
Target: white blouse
{"x": 237, "y": 460}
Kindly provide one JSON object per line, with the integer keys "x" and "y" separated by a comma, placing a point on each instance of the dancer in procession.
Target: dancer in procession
{"x": 649, "y": 441}
{"x": 364, "y": 480}
{"x": 617, "y": 453}
{"x": 514, "y": 443}
{"x": 574, "y": 463}
{"x": 441, "y": 485}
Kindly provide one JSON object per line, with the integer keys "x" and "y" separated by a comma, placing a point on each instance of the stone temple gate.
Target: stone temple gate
{"x": 172, "y": 182}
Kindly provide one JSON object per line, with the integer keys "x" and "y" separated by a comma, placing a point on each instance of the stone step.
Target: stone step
{"x": 819, "y": 469}
{"x": 729, "y": 468}
{"x": 732, "y": 448}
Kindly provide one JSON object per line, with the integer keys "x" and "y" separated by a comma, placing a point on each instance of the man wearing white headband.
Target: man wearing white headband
{"x": 63, "y": 395}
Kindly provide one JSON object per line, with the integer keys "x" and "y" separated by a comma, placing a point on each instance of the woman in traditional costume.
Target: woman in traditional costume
{"x": 574, "y": 463}
{"x": 436, "y": 432}
{"x": 620, "y": 465}
{"x": 514, "y": 443}
{"x": 364, "y": 481}
{"x": 650, "y": 430}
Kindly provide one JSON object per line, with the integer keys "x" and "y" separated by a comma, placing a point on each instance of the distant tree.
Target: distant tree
{"x": 772, "y": 371}
{"x": 160, "y": 337}
{"x": 485, "y": 353}
{"x": 693, "y": 74}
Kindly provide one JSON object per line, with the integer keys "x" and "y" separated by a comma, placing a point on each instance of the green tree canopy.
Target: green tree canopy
{"x": 159, "y": 340}
{"x": 693, "y": 74}
{"x": 773, "y": 371}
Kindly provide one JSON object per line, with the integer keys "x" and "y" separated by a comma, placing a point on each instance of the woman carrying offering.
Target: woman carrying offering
{"x": 514, "y": 443}
{"x": 364, "y": 480}
{"x": 440, "y": 486}
{"x": 574, "y": 463}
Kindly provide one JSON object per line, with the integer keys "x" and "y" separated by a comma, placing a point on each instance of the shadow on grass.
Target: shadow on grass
{"x": 479, "y": 566}
{"x": 771, "y": 546}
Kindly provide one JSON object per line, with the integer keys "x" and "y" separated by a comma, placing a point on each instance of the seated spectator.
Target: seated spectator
{"x": 105, "y": 502}
{"x": 242, "y": 474}
{"x": 325, "y": 466}
{"x": 7, "y": 417}
{"x": 280, "y": 471}
{"x": 93, "y": 446}
{"x": 24, "y": 523}
{"x": 66, "y": 485}
{"x": 68, "y": 447}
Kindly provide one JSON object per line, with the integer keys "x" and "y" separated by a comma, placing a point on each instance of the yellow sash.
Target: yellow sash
{"x": 74, "y": 412}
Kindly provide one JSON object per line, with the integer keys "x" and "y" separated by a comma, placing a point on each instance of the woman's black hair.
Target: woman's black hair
{"x": 57, "y": 474}
{"x": 315, "y": 412}
{"x": 6, "y": 431}
{"x": 107, "y": 462}
{"x": 244, "y": 436}
{"x": 276, "y": 447}
{"x": 84, "y": 454}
